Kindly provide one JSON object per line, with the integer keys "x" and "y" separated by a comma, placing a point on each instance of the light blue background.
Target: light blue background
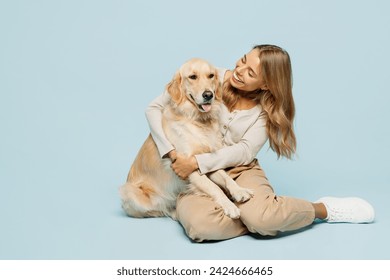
{"x": 76, "y": 76}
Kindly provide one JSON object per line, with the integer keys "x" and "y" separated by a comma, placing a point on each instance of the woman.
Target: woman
{"x": 259, "y": 107}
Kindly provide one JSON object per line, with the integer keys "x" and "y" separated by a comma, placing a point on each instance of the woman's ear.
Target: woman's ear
{"x": 174, "y": 90}
{"x": 263, "y": 84}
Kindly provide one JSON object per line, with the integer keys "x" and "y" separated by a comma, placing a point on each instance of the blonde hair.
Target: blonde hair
{"x": 277, "y": 101}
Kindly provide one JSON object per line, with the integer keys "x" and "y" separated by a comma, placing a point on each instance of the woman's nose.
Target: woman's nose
{"x": 240, "y": 70}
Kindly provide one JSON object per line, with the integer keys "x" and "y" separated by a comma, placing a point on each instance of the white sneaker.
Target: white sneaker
{"x": 348, "y": 210}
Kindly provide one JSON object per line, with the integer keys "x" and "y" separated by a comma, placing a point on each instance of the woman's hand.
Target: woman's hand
{"x": 183, "y": 166}
{"x": 172, "y": 155}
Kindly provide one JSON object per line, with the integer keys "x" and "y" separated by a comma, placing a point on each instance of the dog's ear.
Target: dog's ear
{"x": 218, "y": 88}
{"x": 174, "y": 88}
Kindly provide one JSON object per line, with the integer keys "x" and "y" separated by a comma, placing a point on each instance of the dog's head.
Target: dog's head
{"x": 196, "y": 84}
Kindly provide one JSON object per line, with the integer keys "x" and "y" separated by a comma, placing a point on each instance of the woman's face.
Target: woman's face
{"x": 247, "y": 75}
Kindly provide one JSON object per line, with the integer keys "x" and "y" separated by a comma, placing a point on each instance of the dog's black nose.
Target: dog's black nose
{"x": 207, "y": 95}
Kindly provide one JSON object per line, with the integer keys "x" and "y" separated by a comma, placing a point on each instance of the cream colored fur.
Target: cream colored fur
{"x": 191, "y": 124}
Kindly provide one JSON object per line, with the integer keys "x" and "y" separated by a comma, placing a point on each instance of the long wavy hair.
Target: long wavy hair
{"x": 277, "y": 101}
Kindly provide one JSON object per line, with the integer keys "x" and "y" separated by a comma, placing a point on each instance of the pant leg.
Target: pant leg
{"x": 203, "y": 219}
{"x": 267, "y": 213}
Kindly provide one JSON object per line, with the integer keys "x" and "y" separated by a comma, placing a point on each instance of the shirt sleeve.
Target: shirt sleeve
{"x": 240, "y": 153}
{"x": 154, "y": 117}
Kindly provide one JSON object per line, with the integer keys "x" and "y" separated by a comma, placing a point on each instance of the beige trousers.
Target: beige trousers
{"x": 265, "y": 213}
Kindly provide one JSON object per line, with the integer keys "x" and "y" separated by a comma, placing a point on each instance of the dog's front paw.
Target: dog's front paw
{"x": 230, "y": 209}
{"x": 242, "y": 194}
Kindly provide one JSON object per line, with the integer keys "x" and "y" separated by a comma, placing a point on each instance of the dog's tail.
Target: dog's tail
{"x": 139, "y": 201}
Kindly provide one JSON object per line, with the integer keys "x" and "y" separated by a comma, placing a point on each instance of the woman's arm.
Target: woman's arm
{"x": 154, "y": 117}
{"x": 237, "y": 154}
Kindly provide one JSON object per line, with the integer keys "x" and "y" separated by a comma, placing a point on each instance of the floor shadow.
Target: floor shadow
{"x": 261, "y": 237}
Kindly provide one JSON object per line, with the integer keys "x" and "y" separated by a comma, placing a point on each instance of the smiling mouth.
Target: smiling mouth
{"x": 235, "y": 77}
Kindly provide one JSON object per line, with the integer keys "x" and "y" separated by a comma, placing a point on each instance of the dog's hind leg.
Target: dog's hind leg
{"x": 137, "y": 201}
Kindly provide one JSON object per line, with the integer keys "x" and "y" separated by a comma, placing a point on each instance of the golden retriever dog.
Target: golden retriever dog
{"x": 191, "y": 123}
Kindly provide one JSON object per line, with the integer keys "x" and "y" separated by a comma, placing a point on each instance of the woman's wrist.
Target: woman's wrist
{"x": 172, "y": 155}
{"x": 194, "y": 163}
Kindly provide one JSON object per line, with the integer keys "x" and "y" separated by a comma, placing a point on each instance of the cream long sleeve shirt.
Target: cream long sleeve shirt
{"x": 243, "y": 131}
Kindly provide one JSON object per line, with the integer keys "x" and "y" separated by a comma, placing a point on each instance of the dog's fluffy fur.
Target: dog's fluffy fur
{"x": 191, "y": 124}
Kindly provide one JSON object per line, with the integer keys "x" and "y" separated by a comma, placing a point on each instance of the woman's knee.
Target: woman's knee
{"x": 198, "y": 225}
{"x": 198, "y": 228}
{"x": 203, "y": 220}
{"x": 264, "y": 217}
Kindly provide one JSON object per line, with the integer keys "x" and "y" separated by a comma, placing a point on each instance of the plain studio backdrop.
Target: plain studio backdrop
{"x": 76, "y": 77}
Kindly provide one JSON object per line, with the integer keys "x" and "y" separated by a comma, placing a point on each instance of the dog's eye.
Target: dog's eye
{"x": 193, "y": 77}
{"x": 211, "y": 76}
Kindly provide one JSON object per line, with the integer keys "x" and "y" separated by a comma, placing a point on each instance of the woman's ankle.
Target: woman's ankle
{"x": 320, "y": 211}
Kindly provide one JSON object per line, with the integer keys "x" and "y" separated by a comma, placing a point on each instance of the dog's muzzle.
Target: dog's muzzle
{"x": 205, "y": 106}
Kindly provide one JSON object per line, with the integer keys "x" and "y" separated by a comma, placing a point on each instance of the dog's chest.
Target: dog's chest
{"x": 193, "y": 138}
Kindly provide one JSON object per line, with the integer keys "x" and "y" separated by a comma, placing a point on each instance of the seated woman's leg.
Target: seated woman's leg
{"x": 203, "y": 219}
{"x": 266, "y": 213}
